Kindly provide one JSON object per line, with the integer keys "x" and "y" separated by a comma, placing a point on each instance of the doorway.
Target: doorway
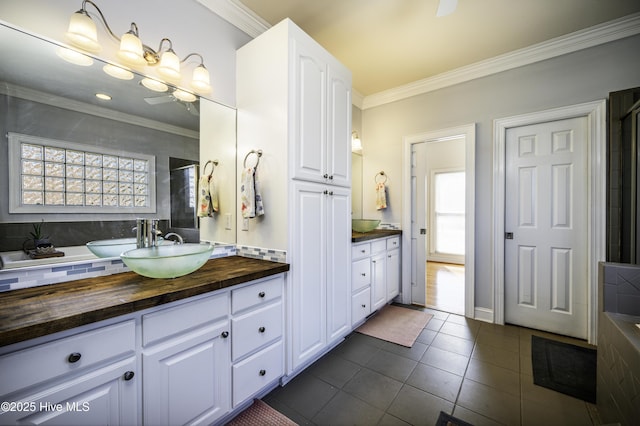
{"x": 441, "y": 240}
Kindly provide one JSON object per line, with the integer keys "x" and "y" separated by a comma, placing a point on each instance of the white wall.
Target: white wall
{"x": 190, "y": 26}
{"x": 582, "y": 76}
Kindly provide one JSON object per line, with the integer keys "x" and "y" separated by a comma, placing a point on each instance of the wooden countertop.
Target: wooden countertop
{"x": 358, "y": 237}
{"x": 38, "y": 311}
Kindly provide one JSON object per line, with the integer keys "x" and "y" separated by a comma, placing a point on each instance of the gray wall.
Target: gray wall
{"x": 583, "y": 76}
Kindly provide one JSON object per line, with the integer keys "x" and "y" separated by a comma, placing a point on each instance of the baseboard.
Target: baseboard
{"x": 483, "y": 314}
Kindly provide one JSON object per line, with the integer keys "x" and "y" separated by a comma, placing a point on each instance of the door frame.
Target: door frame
{"x": 595, "y": 112}
{"x": 469, "y": 133}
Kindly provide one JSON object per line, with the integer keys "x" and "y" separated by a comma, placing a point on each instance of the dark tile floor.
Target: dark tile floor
{"x": 479, "y": 372}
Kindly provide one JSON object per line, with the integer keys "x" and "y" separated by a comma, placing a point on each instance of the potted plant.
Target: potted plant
{"x": 39, "y": 239}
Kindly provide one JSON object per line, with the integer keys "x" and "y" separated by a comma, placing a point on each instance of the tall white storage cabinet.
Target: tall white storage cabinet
{"x": 294, "y": 104}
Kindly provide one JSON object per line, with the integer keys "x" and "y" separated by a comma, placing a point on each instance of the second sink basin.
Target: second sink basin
{"x": 167, "y": 261}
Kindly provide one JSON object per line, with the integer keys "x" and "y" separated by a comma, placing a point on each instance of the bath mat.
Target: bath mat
{"x": 564, "y": 368}
{"x": 445, "y": 419}
{"x": 396, "y": 324}
{"x": 261, "y": 414}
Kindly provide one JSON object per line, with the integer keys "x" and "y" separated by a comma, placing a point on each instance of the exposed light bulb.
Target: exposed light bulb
{"x": 82, "y": 32}
{"x": 103, "y": 96}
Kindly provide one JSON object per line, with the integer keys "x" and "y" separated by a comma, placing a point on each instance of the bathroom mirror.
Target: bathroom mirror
{"x": 42, "y": 95}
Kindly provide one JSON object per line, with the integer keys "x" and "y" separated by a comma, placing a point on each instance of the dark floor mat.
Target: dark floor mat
{"x": 448, "y": 420}
{"x": 565, "y": 368}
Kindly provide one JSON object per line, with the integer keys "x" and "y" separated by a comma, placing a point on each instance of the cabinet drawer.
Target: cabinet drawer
{"x": 360, "y": 274}
{"x": 256, "y": 294}
{"x": 393, "y": 243}
{"x": 378, "y": 246}
{"x": 163, "y": 324}
{"x": 359, "y": 251}
{"x": 255, "y": 329}
{"x": 360, "y": 306}
{"x": 256, "y": 372}
{"x": 47, "y": 361}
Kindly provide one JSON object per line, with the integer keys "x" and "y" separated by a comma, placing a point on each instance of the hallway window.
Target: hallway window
{"x": 448, "y": 214}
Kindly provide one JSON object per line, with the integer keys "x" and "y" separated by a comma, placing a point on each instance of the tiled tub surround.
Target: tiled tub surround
{"x": 33, "y": 276}
{"x": 619, "y": 344}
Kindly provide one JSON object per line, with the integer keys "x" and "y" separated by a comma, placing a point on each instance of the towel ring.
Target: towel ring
{"x": 213, "y": 163}
{"x": 375, "y": 178}
{"x": 258, "y": 153}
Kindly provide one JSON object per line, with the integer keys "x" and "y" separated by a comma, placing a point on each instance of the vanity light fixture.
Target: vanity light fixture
{"x": 82, "y": 33}
{"x": 356, "y": 143}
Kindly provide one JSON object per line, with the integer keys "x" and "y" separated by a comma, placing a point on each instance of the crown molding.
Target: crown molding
{"x": 579, "y": 40}
{"x": 238, "y": 15}
{"x": 357, "y": 98}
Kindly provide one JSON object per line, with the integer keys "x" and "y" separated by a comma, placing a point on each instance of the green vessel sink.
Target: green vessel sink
{"x": 364, "y": 225}
{"x": 167, "y": 261}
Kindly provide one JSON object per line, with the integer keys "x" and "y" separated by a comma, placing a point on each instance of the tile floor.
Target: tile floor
{"x": 479, "y": 372}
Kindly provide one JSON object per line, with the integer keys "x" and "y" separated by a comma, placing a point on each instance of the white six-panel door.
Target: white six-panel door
{"x": 546, "y": 238}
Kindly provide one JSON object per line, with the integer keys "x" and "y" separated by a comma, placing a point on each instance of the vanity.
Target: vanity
{"x": 375, "y": 271}
{"x": 137, "y": 350}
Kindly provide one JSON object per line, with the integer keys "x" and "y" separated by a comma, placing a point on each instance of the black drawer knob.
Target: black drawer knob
{"x": 74, "y": 357}
{"x": 261, "y": 329}
{"x": 364, "y": 306}
{"x": 262, "y": 372}
{"x": 225, "y": 334}
{"x": 129, "y": 375}
{"x": 262, "y": 294}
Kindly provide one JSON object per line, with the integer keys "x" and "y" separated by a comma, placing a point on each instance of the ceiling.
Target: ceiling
{"x": 391, "y": 43}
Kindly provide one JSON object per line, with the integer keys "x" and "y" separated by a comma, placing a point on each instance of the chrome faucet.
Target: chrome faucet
{"x": 173, "y": 234}
{"x": 146, "y": 232}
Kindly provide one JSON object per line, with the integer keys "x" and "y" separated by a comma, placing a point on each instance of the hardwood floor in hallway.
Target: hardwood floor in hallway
{"x": 445, "y": 287}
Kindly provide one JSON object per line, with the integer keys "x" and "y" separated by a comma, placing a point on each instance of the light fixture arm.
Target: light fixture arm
{"x": 194, "y": 54}
{"x": 83, "y": 9}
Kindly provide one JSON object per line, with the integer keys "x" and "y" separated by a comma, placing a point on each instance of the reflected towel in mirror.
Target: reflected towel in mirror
{"x": 207, "y": 196}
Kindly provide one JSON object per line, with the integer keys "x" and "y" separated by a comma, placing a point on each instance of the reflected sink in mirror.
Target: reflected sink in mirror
{"x": 167, "y": 261}
{"x": 364, "y": 225}
{"x": 115, "y": 247}
{"x": 111, "y": 248}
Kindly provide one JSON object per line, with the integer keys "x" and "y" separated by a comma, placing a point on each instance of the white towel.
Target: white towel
{"x": 250, "y": 196}
{"x": 381, "y": 196}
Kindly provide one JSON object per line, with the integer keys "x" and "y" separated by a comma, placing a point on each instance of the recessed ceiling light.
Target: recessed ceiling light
{"x": 103, "y": 96}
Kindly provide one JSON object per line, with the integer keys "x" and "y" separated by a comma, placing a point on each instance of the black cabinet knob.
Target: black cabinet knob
{"x": 74, "y": 357}
{"x": 261, "y": 294}
{"x": 261, "y": 329}
{"x": 262, "y": 372}
{"x": 225, "y": 334}
{"x": 325, "y": 176}
{"x": 128, "y": 375}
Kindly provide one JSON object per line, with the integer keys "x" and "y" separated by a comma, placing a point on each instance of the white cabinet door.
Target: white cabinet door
{"x": 339, "y": 126}
{"x": 187, "y": 380}
{"x": 99, "y": 397}
{"x": 309, "y": 102}
{"x": 338, "y": 263}
{"x": 393, "y": 273}
{"x": 307, "y": 299}
{"x": 378, "y": 281}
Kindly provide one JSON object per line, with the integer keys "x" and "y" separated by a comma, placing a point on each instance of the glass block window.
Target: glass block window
{"x": 56, "y": 176}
